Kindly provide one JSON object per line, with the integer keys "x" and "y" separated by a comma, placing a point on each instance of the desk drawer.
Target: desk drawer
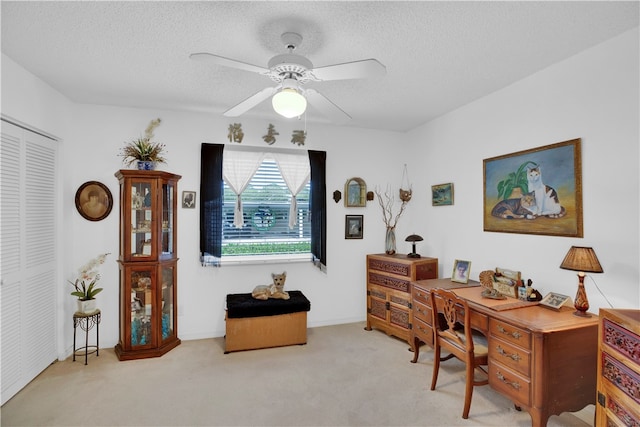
{"x": 422, "y": 312}
{"x": 510, "y": 383}
{"x": 510, "y": 355}
{"x": 421, "y": 295}
{"x": 510, "y": 333}
{"x": 423, "y": 331}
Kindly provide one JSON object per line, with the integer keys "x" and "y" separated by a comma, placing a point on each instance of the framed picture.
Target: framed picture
{"x": 189, "y": 199}
{"x": 555, "y": 301}
{"x": 94, "y": 201}
{"x": 461, "y": 270}
{"x": 353, "y": 226}
{"x": 536, "y": 191}
{"x": 442, "y": 194}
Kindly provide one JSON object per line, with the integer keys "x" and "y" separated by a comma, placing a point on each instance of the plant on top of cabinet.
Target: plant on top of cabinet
{"x": 143, "y": 150}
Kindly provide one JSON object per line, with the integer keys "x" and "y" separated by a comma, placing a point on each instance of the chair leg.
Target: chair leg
{"x": 468, "y": 392}
{"x": 436, "y": 366}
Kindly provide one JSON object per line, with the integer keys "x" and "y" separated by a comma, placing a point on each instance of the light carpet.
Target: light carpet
{"x": 343, "y": 376}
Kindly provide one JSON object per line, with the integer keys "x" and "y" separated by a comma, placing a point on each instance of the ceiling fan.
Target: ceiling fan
{"x": 291, "y": 71}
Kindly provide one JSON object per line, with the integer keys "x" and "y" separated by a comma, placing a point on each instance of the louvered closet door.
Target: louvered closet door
{"x": 27, "y": 256}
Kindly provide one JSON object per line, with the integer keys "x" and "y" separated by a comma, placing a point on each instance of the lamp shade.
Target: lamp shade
{"x": 289, "y": 103}
{"x": 413, "y": 238}
{"x": 581, "y": 258}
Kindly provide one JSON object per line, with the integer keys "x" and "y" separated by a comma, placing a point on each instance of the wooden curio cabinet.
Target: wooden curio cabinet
{"x": 148, "y": 262}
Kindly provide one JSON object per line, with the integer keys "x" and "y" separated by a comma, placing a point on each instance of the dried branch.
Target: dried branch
{"x": 386, "y": 201}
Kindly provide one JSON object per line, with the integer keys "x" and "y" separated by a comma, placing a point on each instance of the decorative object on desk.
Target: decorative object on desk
{"x": 507, "y": 282}
{"x": 461, "y": 271}
{"x": 353, "y": 226}
{"x": 274, "y": 290}
{"x": 386, "y": 201}
{"x": 85, "y": 284}
{"x": 270, "y": 137}
{"x": 413, "y": 238}
{"x": 189, "y": 199}
{"x": 536, "y": 191}
{"x": 355, "y": 193}
{"x": 94, "y": 201}
{"x": 581, "y": 259}
{"x": 337, "y": 196}
{"x": 235, "y": 133}
{"x": 534, "y": 295}
{"x": 555, "y": 301}
{"x": 405, "y": 195}
{"x": 486, "y": 279}
{"x": 143, "y": 150}
{"x": 442, "y": 194}
{"x": 492, "y": 294}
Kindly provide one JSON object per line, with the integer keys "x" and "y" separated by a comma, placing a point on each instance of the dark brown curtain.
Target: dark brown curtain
{"x": 211, "y": 198}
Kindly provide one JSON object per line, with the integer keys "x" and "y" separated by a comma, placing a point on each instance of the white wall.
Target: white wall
{"x": 592, "y": 96}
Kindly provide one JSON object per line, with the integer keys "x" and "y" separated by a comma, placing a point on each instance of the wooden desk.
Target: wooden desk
{"x": 545, "y": 361}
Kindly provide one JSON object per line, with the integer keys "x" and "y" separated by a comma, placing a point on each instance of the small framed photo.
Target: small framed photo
{"x": 555, "y": 301}
{"x": 442, "y": 194}
{"x": 461, "y": 270}
{"x": 353, "y": 226}
{"x": 94, "y": 201}
{"x": 189, "y": 199}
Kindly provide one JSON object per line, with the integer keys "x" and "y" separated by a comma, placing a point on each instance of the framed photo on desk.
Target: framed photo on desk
{"x": 461, "y": 270}
{"x": 555, "y": 301}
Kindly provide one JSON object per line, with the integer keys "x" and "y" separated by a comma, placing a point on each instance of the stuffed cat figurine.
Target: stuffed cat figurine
{"x": 274, "y": 290}
{"x": 547, "y": 202}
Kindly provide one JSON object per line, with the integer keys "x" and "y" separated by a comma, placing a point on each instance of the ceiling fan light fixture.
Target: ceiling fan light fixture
{"x": 289, "y": 103}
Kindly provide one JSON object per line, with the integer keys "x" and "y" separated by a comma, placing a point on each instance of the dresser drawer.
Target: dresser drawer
{"x": 510, "y": 333}
{"x": 423, "y": 331}
{"x": 510, "y": 355}
{"x": 510, "y": 383}
{"x": 391, "y": 282}
{"x": 387, "y": 266}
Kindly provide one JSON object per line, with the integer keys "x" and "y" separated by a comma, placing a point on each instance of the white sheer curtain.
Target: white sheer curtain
{"x": 296, "y": 172}
{"x": 238, "y": 167}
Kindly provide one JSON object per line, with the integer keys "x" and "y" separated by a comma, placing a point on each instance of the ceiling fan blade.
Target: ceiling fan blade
{"x": 250, "y": 102}
{"x": 365, "y": 68}
{"x": 221, "y": 60}
{"x": 326, "y": 107}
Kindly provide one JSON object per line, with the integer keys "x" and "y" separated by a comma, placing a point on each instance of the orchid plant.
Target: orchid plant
{"x": 85, "y": 284}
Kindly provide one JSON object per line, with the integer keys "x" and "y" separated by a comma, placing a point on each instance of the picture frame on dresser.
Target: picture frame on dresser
{"x": 461, "y": 271}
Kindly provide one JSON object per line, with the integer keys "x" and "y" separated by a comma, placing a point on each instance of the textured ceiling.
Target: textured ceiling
{"x": 439, "y": 55}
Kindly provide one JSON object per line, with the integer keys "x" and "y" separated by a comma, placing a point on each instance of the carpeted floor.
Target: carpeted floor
{"x": 344, "y": 376}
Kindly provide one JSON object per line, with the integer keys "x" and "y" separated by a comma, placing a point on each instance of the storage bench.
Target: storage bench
{"x": 252, "y": 324}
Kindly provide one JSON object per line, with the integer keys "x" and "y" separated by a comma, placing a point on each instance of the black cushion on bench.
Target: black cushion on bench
{"x": 244, "y": 305}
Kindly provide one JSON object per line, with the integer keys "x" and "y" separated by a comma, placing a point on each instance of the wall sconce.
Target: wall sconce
{"x": 413, "y": 238}
{"x": 581, "y": 259}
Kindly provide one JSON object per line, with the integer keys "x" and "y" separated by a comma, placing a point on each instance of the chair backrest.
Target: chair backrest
{"x": 451, "y": 321}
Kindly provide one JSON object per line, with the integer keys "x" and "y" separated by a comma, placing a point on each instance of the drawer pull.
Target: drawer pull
{"x": 513, "y": 384}
{"x": 514, "y": 334}
{"x": 513, "y": 356}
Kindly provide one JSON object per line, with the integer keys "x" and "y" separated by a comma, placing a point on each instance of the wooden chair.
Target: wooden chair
{"x": 449, "y": 315}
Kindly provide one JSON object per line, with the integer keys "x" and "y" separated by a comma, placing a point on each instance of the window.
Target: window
{"x": 266, "y": 203}
{"x": 260, "y": 224}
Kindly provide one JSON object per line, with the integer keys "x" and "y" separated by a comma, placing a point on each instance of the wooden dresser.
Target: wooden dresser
{"x": 389, "y": 280}
{"x": 618, "y": 368}
{"x": 543, "y": 360}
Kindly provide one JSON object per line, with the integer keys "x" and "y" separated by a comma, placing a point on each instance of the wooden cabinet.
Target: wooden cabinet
{"x": 618, "y": 368}
{"x": 148, "y": 263}
{"x": 389, "y": 280}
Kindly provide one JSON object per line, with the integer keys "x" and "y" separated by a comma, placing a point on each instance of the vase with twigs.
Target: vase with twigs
{"x": 386, "y": 201}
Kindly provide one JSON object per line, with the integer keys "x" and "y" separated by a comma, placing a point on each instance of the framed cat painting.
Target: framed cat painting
{"x": 536, "y": 191}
